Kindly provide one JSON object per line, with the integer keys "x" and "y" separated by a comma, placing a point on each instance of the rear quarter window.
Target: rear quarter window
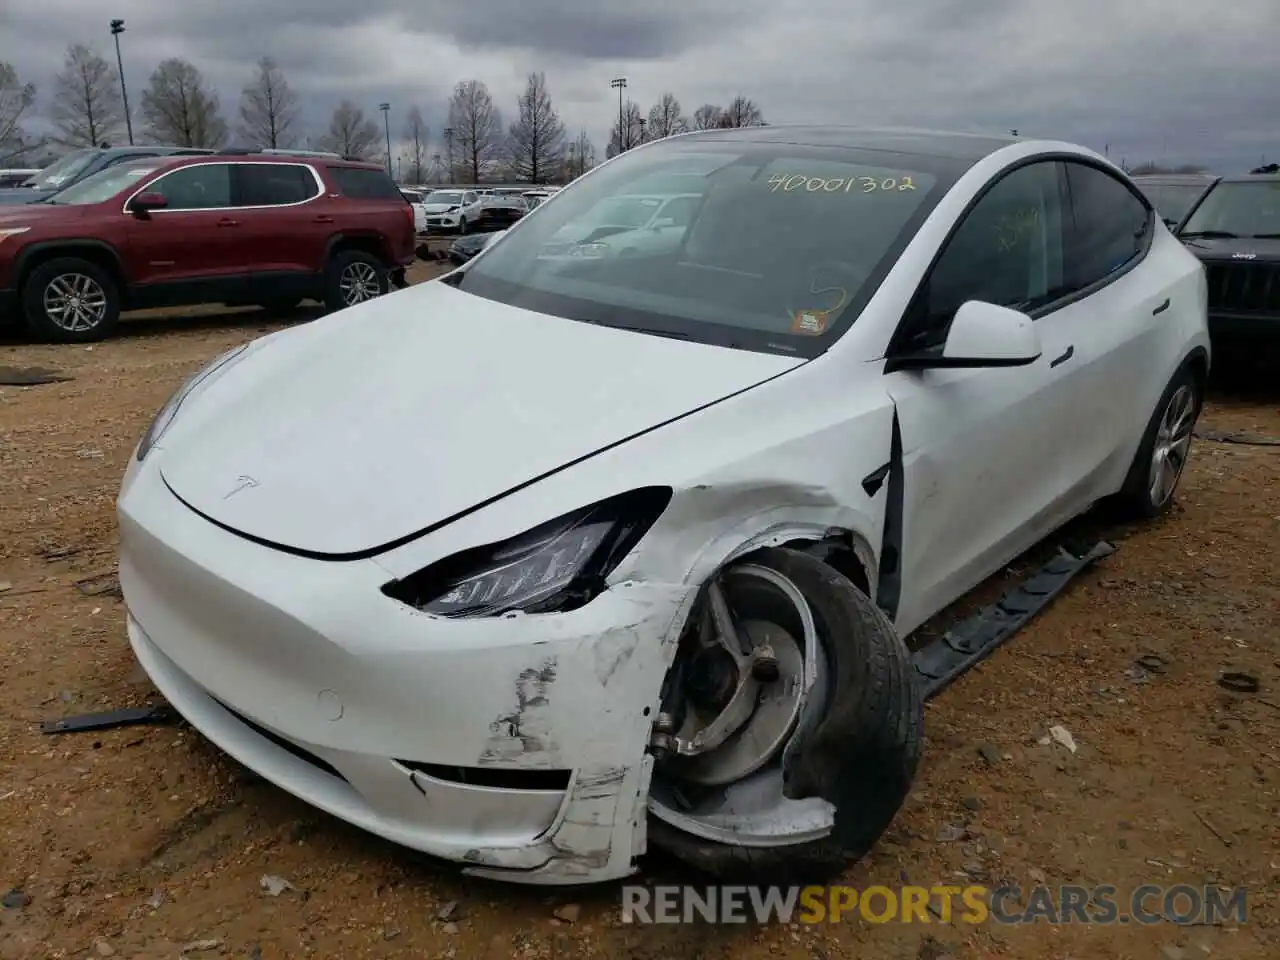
{"x": 362, "y": 184}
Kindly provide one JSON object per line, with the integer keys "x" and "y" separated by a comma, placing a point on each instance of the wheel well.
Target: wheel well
{"x": 365, "y": 244}
{"x": 92, "y": 252}
{"x": 1198, "y": 364}
{"x": 838, "y": 553}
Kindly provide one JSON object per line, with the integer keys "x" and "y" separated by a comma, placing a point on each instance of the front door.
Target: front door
{"x": 192, "y": 250}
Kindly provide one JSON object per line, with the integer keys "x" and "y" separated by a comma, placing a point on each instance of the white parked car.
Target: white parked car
{"x": 536, "y": 566}
{"x": 453, "y": 209}
{"x": 626, "y": 227}
{"x": 419, "y": 209}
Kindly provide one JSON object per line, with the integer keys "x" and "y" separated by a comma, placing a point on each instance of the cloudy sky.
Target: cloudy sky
{"x": 1175, "y": 80}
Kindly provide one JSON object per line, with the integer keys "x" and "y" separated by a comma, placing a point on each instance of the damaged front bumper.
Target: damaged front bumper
{"x": 514, "y": 745}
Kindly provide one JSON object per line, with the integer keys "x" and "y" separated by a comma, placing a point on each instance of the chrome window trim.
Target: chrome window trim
{"x": 315, "y": 177}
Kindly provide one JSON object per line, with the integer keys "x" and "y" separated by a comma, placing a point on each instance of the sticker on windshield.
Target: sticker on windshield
{"x": 789, "y": 183}
{"x": 810, "y": 322}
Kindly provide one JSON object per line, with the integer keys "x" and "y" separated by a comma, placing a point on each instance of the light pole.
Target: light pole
{"x": 643, "y": 121}
{"x": 448, "y": 146}
{"x": 117, "y": 28}
{"x": 386, "y": 123}
{"x": 619, "y": 84}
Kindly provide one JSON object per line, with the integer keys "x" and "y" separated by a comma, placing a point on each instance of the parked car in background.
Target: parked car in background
{"x": 1174, "y": 194}
{"x": 1235, "y": 231}
{"x": 80, "y": 164}
{"x": 415, "y": 199}
{"x": 626, "y": 226}
{"x": 617, "y": 555}
{"x": 502, "y": 207}
{"x": 16, "y": 178}
{"x": 465, "y": 248}
{"x": 170, "y": 231}
{"x": 453, "y": 209}
{"x": 532, "y": 198}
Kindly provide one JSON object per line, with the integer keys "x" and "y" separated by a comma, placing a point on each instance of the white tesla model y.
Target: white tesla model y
{"x": 571, "y": 553}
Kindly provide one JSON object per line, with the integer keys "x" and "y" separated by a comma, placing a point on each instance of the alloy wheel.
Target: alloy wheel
{"x": 75, "y": 302}
{"x": 1172, "y": 441}
{"x": 359, "y": 282}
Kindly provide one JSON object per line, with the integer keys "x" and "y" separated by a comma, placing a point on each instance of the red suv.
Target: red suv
{"x": 236, "y": 229}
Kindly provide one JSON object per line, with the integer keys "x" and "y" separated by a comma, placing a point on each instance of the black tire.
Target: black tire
{"x": 1136, "y": 499}
{"x": 337, "y": 294}
{"x": 861, "y": 757}
{"x": 76, "y": 274}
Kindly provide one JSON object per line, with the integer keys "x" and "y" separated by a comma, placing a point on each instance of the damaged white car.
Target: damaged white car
{"x": 557, "y": 559}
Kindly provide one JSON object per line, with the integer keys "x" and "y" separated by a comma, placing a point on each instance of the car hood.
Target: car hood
{"x": 442, "y": 207}
{"x": 362, "y": 429}
{"x": 21, "y": 215}
{"x": 1242, "y": 250}
{"x": 12, "y": 195}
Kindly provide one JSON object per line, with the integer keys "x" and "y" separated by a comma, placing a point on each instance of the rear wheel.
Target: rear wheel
{"x": 1153, "y": 477}
{"x": 70, "y": 300}
{"x": 353, "y": 277}
{"x": 790, "y": 729}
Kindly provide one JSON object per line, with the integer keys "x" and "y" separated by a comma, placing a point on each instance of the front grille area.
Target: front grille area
{"x": 286, "y": 745}
{"x": 1244, "y": 287}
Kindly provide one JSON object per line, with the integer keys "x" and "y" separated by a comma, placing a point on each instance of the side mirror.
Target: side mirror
{"x": 662, "y": 222}
{"x": 981, "y": 335}
{"x": 145, "y": 202}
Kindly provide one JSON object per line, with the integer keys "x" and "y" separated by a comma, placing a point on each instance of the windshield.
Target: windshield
{"x": 1172, "y": 200}
{"x": 444, "y": 196}
{"x": 1241, "y": 209}
{"x": 772, "y": 247}
{"x": 63, "y": 171}
{"x": 104, "y": 184}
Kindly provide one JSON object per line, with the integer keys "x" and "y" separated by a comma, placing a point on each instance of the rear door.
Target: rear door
{"x": 283, "y": 227}
{"x": 192, "y": 250}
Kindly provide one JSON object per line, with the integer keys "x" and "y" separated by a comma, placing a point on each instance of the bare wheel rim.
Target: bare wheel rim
{"x": 358, "y": 283}
{"x": 75, "y": 302}
{"x": 753, "y": 810}
{"x": 1172, "y": 442}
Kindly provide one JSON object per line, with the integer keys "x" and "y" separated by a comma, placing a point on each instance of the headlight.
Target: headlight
{"x": 169, "y": 411}
{"x": 553, "y": 568}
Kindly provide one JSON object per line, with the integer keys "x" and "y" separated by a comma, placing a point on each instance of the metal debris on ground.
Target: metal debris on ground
{"x": 104, "y": 583}
{"x": 273, "y": 885}
{"x": 30, "y": 376}
{"x": 1062, "y": 736}
{"x": 108, "y": 719}
{"x": 1245, "y": 439}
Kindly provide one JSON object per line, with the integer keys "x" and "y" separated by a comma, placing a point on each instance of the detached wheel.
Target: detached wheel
{"x": 789, "y": 739}
{"x": 70, "y": 300}
{"x": 353, "y": 277}
{"x": 1153, "y": 477}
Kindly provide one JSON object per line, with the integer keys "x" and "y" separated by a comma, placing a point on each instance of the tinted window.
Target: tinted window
{"x": 1248, "y": 208}
{"x": 267, "y": 185}
{"x": 782, "y": 244}
{"x": 360, "y": 184}
{"x": 1111, "y": 225}
{"x": 105, "y": 184}
{"x": 202, "y": 187}
{"x": 1006, "y": 251}
{"x": 1172, "y": 200}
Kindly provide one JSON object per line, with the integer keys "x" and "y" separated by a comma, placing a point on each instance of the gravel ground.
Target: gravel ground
{"x": 144, "y": 841}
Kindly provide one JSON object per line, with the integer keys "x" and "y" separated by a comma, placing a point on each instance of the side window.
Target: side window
{"x": 470, "y": 198}
{"x": 272, "y": 185}
{"x": 1006, "y": 251}
{"x": 1111, "y": 226}
{"x": 203, "y": 187}
{"x": 125, "y": 158}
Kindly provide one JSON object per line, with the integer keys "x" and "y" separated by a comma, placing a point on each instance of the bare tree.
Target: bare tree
{"x": 16, "y": 99}
{"x": 415, "y": 135}
{"x": 707, "y": 117}
{"x": 536, "y": 139}
{"x": 742, "y": 112}
{"x": 580, "y": 158}
{"x": 477, "y": 127}
{"x": 631, "y": 133}
{"x": 269, "y": 108}
{"x": 87, "y": 108}
{"x": 666, "y": 119}
{"x": 351, "y": 133}
{"x": 180, "y": 110}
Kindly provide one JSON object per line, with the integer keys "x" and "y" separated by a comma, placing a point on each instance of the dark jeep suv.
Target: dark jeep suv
{"x": 244, "y": 229}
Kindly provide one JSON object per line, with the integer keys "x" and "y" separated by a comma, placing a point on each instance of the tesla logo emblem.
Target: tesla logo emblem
{"x": 242, "y": 483}
{"x": 1244, "y": 256}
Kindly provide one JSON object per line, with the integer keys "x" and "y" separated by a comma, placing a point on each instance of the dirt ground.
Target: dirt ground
{"x": 141, "y": 841}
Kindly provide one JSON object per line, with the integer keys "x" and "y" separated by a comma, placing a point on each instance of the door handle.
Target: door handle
{"x": 323, "y": 219}
{"x": 228, "y": 222}
{"x": 1066, "y": 355}
{"x": 1161, "y": 309}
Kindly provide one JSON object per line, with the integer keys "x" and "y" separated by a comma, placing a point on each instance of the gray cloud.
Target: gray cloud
{"x": 1143, "y": 79}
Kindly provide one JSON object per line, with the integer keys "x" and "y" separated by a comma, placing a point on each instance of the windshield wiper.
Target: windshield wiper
{"x": 1211, "y": 234}
{"x": 1265, "y": 236}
